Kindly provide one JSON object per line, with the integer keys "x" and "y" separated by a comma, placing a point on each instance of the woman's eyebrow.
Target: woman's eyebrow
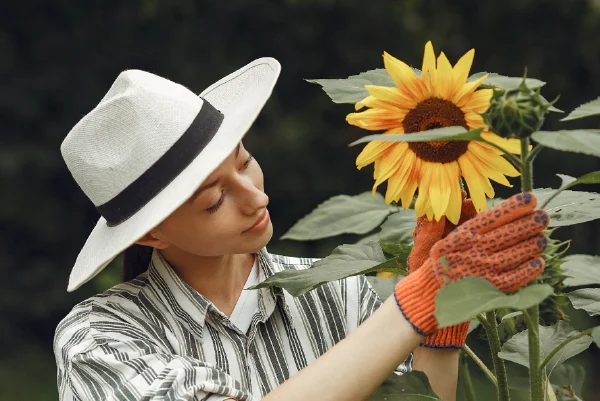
{"x": 215, "y": 182}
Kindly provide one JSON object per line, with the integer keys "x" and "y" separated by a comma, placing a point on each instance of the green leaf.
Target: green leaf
{"x": 596, "y": 336}
{"x": 589, "y": 178}
{"x": 384, "y": 287}
{"x": 569, "y": 207}
{"x": 568, "y": 374}
{"x": 352, "y": 89}
{"x": 412, "y": 386}
{"x": 399, "y": 227}
{"x": 578, "y": 141}
{"x": 400, "y": 251}
{"x": 587, "y": 299}
{"x": 516, "y": 349}
{"x": 341, "y": 214}
{"x": 344, "y": 261}
{"x": 464, "y": 299}
{"x": 503, "y": 82}
{"x": 436, "y": 134}
{"x": 565, "y": 180}
{"x": 511, "y": 315}
{"x": 588, "y": 109}
{"x": 369, "y": 238}
{"x": 582, "y": 270}
{"x": 473, "y": 324}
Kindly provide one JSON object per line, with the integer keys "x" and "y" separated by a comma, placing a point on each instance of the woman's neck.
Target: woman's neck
{"x": 221, "y": 279}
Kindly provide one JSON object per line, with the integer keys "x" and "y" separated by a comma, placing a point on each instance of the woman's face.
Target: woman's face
{"x": 226, "y": 215}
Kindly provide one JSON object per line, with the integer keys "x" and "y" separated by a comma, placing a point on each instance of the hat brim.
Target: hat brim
{"x": 240, "y": 96}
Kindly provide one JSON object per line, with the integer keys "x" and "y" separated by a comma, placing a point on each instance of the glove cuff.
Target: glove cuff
{"x": 448, "y": 337}
{"x": 415, "y": 296}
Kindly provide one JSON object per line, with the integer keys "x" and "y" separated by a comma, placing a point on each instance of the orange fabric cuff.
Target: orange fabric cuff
{"x": 415, "y": 295}
{"x": 448, "y": 337}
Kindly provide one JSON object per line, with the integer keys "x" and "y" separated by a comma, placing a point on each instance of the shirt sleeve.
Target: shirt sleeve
{"x": 125, "y": 367}
{"x": 369, "y": 301}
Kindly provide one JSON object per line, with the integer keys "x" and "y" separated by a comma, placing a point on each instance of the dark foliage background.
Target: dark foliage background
{"x": 58, "y": 58}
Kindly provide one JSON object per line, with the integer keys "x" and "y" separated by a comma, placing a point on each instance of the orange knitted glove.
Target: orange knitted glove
{"x": 426, "y": 234}
{"x": 502, "y": 245}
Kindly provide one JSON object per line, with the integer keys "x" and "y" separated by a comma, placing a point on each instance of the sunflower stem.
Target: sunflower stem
{"x": 482, "y": 365}
{"x": 526, "y": 167}
{"x": 534, "y": 152}
{"x": 466, "y": 379}
{"x": 532, "y": 315}
{"x": 514, "y": 160}
{"x": 491, "y": 327}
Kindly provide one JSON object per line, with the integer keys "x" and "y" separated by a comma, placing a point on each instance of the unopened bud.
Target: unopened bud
{"x": 516, "y": 112}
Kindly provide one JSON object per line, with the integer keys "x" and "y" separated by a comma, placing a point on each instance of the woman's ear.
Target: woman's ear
{"x": 154, "y": 238}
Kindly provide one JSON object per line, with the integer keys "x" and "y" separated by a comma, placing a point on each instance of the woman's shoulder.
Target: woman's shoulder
{"x": 119, "y": 303}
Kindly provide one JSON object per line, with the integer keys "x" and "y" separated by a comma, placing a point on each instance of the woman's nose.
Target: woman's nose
{"x": 252, "y": 198}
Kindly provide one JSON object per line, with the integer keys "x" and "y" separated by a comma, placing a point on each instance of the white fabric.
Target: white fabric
{"x": 113, "y": 138}
{"x": 247, "y": 303}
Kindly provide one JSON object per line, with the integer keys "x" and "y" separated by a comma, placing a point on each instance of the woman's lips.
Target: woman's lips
{"x": 261, "y": 223}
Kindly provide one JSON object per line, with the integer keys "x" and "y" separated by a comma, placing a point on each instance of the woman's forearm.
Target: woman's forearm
{"x": 355, "y": 367}
{"x": 441, "y": 368}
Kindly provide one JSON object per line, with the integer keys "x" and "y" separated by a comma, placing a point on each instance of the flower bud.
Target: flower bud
{"x": 516, "y": 112}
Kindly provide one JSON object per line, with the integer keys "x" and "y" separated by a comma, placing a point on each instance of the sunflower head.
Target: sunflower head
{"x": 516, "y": 113}
{"x": 439, "y": 97}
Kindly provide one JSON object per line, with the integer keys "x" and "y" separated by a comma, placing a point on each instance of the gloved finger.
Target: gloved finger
{"x": 511, "y": 209}
{"x": 426, "y": 235}
{"x": 513, "y": 280}
{"x": 514, "y": 232}
{"x": 467, "y": 211}
{"x": 509, "y": 258}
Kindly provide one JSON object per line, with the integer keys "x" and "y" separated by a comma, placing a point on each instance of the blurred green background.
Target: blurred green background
{"x": 58, "y": 58}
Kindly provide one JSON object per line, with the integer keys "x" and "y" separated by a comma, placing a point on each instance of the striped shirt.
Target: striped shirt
{"x": 156, "y": 338}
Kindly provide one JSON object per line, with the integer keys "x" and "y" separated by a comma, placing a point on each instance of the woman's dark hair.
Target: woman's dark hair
{"x": 135, "y": 261}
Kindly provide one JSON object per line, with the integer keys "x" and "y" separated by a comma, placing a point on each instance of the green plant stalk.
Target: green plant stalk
{"x": 491, "y": 327}
{"x": 466, "y": 376}
{"x": 480, "y": 363}
{"x": 532, "y": 315}
{"x": 564, "y": 344}
{"x": 536, "y": 372}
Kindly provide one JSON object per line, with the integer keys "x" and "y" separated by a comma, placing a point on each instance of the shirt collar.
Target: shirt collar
{"x": 190, "y": 307}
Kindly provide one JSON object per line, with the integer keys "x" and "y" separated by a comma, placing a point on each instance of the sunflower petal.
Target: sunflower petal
{"x": 443, "y": 83}
{"x": 455, "y": 201}
{"x": 389, "y": 163}
{"x": 511, "y": 145}
{"x": 371, "y": 152}
{"x": 479, "y": 101}
{"x": 412, "y": 165}
{"x": 428, "y": 60}
{"x": 404, "y": 77}
{"x": 461, "y": 96}
{"x": 476, "y": 183}
{"x": 393, "y": 96}
{"x": 439, "y": 190}
{"x": 423, "y": 196}
{"x": 463, "y": 66}
{"x": 375, "y": 119}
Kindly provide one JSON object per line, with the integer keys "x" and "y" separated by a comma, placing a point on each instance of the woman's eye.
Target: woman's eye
{"x": 216, "y": 206}
{"x": 247, "y": 163}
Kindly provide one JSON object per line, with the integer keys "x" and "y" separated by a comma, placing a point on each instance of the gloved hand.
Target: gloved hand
{"x": 502, "y": 245}
{"x": 426, "y": 234}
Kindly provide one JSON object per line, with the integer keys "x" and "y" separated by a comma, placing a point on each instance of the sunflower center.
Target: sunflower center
{"x": 436, "y": 113}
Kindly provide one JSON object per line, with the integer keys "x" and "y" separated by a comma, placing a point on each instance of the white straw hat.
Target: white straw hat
{"x": 148, "y": 145}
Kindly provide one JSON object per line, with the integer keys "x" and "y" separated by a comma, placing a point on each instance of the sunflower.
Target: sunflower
{"x": 440, "y": 97}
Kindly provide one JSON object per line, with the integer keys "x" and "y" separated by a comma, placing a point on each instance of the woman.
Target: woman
{"x": 167, "y": 171}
